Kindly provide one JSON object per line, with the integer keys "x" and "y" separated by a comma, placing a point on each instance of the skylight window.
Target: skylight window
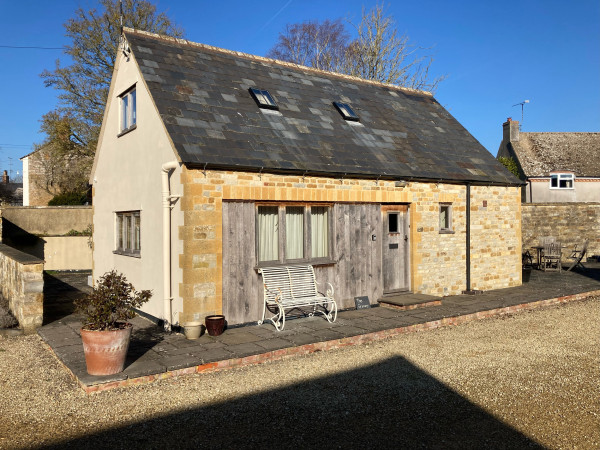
{"x": 263, "y": 98}
{"x": 346, "y": 112}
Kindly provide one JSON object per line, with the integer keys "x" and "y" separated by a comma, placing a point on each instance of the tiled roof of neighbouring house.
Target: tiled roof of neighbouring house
{"x": 202, "y": 94}
{"x": 542, "y": 153}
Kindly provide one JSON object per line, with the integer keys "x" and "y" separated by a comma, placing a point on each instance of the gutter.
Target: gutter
{"x": 167, "y": 200}
{"x": 353, "y": 175}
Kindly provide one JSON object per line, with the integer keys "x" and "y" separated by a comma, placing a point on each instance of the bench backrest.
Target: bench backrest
{"x": 289, "y": 282}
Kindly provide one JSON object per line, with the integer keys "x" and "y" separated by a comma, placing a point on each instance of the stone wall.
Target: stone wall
{"x": 46, "y": 232}
{"x": 437, "y": 260}
{"x": 49, "y": 220}
{"x": 570, "y": 223}
{"x": 22, "y": 283}
{"x": 35, "y": 180}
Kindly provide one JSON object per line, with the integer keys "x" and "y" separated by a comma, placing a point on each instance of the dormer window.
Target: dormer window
{"x": 561, "y": 180}
{"x": 128, "y": 111}
{"x": 263, "y": 99}
{"x": 346, "y": 112}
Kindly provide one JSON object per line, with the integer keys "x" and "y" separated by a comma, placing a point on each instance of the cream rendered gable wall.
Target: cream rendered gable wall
{"x": 127, "y": 177}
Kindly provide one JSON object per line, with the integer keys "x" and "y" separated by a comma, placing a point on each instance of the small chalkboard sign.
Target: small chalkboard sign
{"x": 362, "y": 302}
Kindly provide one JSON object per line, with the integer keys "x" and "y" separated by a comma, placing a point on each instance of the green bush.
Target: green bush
{"x": 510, "y": 164}
{"x": 110, "y": 303}
{"x": 69, "y": 198}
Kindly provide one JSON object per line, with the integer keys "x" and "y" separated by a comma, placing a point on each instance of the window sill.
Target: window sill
{"x": 127, "y": 130}
{"x": 447, "y": 231}
{"x": 124, "y": 253}
{"x": 312, "y": 262}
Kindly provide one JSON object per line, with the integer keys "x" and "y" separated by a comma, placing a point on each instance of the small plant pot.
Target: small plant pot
{"x": 215, "y": 325}
{"x": 192, "y": 330}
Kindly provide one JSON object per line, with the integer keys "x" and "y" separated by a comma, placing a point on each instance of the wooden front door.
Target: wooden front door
{"x": 395, "y": 248}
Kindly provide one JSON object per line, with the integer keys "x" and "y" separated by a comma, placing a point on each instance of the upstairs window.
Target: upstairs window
{"x": 128, "y": 111}
{"x": 263, "y": 98}
{"x": 128, "y": 233}
{"x": 346, "y": 112}
{"x": 562, "y": 181}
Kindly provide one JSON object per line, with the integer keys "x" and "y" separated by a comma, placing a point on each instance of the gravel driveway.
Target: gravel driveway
{"x": 527, "y": 380}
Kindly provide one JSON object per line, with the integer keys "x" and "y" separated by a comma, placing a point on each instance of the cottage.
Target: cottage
{"x": 213, "y": 163}
{"x": 557, "y": 167}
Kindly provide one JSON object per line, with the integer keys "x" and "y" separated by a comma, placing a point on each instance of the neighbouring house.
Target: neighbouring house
{"x": 37, "y": 185}
{"x": 212, "y": 163}
{"x": 557, "y": 167}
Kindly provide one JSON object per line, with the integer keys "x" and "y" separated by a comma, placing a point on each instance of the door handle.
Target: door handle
{"x": 405, "y": 237}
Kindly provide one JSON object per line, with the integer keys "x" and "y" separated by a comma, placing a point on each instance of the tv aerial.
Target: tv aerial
{"x": 522, "y": 105}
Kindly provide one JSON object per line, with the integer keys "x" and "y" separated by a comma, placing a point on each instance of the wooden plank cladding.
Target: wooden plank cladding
{"x": 356, "y": 268}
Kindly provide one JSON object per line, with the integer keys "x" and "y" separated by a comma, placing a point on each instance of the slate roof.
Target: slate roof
{"x": 541, "y": 153}
{"x": 201, "y": 93}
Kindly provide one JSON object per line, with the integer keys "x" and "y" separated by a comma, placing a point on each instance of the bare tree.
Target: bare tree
{"x": 378, "y": 53}
{"x": 316, "y": 44}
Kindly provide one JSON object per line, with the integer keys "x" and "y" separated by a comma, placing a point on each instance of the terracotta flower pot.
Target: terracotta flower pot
{"x": 215, "y": 325}
{"x": 105, "y": 351}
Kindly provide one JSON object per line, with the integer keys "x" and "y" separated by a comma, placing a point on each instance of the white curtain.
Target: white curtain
{"x": 268, "y": 233}
{"x": 444, "y": 213}
{"x": 319, "y": 231}
{"x": 136, "y": 236}
{"x": 294, "y": 232}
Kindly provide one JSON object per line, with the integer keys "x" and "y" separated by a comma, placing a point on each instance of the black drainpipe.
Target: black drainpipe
{"x": 468, "y": 238}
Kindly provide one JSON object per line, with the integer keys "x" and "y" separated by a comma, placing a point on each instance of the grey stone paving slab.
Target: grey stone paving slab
{"x": 239, "y": 337}
{"x": 303, "y": 338}
{"x": 143, "y": 367}
{"x": 327, "y": 335}
{"x": 275, "y": 344}
{"x": 245, "y": 349}
{"x": 218, "y": 354}
{"x": 347, "y": 331}
{"x": 318, "y": 325}
{"x": 385, "y": 312}
{"x": 353, "y": 314}
{"x": 176, "y": 362}
{"x": 210, "y": 346}
{"x": 81, "y": 373}
{"x": 262, "y": 331}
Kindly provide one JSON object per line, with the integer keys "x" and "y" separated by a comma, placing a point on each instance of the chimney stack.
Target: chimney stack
{"x": 5, "y": 177}
{"x": 510, "y": 130}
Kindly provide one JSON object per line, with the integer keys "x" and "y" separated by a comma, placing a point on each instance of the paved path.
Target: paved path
{"x": 154, "y": 354}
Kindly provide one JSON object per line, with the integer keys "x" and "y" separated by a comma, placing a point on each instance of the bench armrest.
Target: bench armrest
{"x": 277, "y": 296}
{"x": 329, "y": 292}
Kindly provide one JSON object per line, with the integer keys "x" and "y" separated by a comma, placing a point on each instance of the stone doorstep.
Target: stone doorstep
{"x": 405, "y": 302}
{"x": 220, "y": 359}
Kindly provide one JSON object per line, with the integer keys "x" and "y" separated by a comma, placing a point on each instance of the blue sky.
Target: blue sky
{"x": 495, "y": 54}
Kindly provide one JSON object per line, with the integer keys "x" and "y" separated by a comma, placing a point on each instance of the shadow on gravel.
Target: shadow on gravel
{"x": 388, "y": 405}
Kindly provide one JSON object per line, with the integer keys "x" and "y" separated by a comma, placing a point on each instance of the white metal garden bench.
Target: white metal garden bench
{"x": 292, "y": 287}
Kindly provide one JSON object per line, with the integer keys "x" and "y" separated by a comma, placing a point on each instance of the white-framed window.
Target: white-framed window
{"x": 128, "y": 233}
{"x": 562, "y": 181}
{"x": 293, "y": 233}
{"x": 128, "y": 108}
{"x": 446, "y": 218}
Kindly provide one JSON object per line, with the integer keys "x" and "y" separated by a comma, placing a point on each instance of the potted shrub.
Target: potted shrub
{"x": 106, "y": 332}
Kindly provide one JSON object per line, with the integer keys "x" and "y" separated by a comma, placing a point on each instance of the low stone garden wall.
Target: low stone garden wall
{"x": 570, "y": 223}
{"x": 22, "y": 284}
